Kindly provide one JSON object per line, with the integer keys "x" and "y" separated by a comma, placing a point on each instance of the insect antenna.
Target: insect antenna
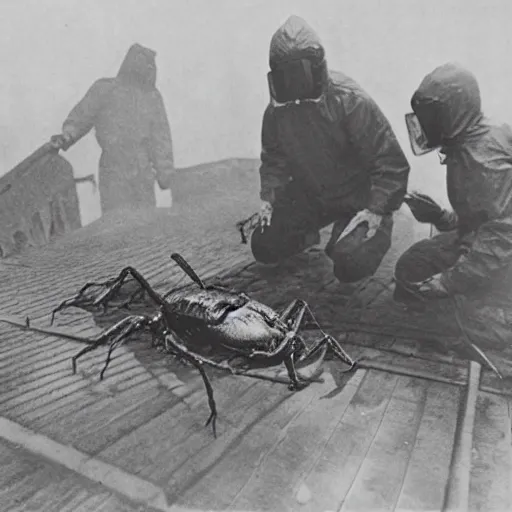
{"x": 187, "y": 269}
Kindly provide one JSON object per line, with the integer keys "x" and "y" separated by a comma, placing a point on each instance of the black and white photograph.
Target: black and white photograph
{"x": 256, "y": 256}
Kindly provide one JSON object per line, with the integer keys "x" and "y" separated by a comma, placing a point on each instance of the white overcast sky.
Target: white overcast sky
{"x": 212, "y": 57}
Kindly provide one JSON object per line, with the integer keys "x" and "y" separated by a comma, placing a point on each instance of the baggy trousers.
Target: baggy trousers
{"x": 487, "y": 315}
{"x": 296, "y": 220}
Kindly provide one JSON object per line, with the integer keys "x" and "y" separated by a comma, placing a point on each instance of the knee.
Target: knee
{"x": 262, "y": 248}
{"x": 404, "y": 267}
{"x": 356, "y": 258}
{"x": 353, "y": 267}
{"x": 348, "y": 270}
{"x": 414, "y": 265}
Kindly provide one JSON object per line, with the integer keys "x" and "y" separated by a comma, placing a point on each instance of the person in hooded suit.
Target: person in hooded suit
{"x": 471, "y": 257}
{"x": 132, "y": 130}
{"x": 329, "y": 156}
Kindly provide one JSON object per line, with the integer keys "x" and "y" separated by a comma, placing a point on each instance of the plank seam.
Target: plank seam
{"x": 129, "y": 485}
{"x": 370, "y": 444}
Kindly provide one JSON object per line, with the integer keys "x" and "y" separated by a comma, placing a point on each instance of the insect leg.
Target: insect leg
{"x": 79, "y": 298}
{"x": 119, "y": 341}
{"x": 137, "y": 295}
{"x": 296, "y": 383}
{"x": 341, "y": 353}
{"x": 118, "y": 282}
{"x": 171, "y": 344}
{"x": 112, "y": 336}
{"x": 209, "y": 391}
{"x": 198, "y": 362}
{"x": 331, "y": 341}
{"x": 282, "y": 347}
{"x": 292, "y": 317}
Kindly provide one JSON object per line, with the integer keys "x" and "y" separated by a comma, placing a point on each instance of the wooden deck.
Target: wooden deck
{"x": 412, "y": 430}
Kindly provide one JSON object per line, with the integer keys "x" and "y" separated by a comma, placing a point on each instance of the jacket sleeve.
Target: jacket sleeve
{"x": 273, "y": 169}
{"x": 82, "y": 117}
{"x": 161, "y": 154}
{"x": 377, "y": 146}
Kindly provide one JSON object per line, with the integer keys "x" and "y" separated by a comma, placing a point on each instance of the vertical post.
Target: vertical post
{"x": 457, "y": 489}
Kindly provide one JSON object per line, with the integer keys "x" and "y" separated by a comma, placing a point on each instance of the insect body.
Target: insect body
{"x": 211, "y": 315}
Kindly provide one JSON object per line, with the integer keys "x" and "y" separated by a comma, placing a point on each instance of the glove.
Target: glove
{"x": 372, "y": 219}
{"x": 432, "y": 288}
{"x": 424, "y": 209}
{"x": 164, "y": 179}
{"x": 62, "y": 141}
{"x": 265, "y": 214}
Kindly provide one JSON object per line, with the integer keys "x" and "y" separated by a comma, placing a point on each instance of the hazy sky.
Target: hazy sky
{"x": 212, "y": 57}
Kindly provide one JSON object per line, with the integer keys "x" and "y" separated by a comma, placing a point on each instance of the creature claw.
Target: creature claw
{"x": 353, "y": 366}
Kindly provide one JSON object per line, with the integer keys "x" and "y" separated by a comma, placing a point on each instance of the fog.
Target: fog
{"x": 212, "y": 57}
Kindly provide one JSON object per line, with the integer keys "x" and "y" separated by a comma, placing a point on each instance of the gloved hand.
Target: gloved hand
{"x": 62, "y": 141}
{"x": 432, "y": 288}
{"x": 424, "y": 208}
{"x": 164, "y": 179}
{"x": 266, "y": 210}
{"x": 372, "y": 219}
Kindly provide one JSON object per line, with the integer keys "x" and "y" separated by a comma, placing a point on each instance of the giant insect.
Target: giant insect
{"x": 208, "y": 314}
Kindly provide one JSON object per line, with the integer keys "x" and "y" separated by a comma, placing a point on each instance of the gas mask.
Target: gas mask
{"x": 297, "y": 80}
{"x": 424, "y": 125}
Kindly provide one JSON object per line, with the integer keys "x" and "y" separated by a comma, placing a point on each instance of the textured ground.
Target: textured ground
{"x": 372, "y": 439}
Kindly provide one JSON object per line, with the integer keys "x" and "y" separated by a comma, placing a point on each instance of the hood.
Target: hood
{"x": 295, "y": 39}
{"x": 139, "y": 66}
{"x": 456, "y": 92}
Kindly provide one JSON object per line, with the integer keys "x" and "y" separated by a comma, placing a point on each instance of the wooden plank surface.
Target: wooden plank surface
{"x": 28, "y": 483}
{"x": 338, "y": 443}
{"x": 340, "y": 460}
{"x": 429, "y": 464}
{"x": 265, "y": 466}
{"x": 491, "y": 475}
{"x": 379, "y": 480}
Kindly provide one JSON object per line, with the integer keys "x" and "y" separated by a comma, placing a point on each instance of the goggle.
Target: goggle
{"x": 295, "y": 81}
{"x": 417, "y": 138}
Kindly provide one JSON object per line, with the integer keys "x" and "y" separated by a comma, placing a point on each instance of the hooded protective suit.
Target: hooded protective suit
{"x": 339, "y": 150}
{"x": 132, "y": 129}
{"x": 474, "y": 255}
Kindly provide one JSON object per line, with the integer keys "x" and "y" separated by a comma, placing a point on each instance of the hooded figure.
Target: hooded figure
{"x": 328, "y": 155}
{"x": 132, "y": 129}
{"x": 472, "y": 256}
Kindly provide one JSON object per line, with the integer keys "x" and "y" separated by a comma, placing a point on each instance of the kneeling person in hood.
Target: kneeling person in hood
{"x": 329, "y": 155}
{"x": 472, "y": 256}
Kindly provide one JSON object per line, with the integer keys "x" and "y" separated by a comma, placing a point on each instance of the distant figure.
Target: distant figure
{"x": 132, "y": 129}
{"x": 472, "y": 256}
{"x": 329, "y": 155}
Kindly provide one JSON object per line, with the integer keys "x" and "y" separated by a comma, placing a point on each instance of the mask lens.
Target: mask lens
{"x": 418, "y": 139}
{"x": 295, "y": 80}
